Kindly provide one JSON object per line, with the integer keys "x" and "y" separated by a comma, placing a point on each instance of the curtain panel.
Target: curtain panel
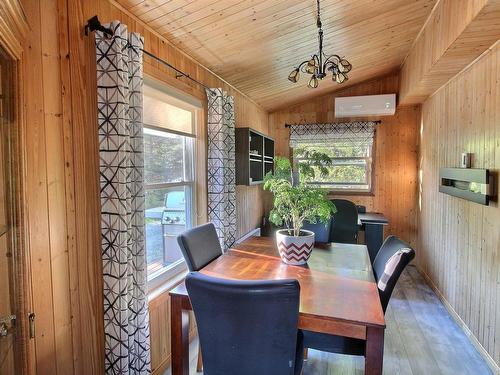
{"x": 221, "y": 166}
{"x": 352, "y": 133}
{"x": 119, "y": 101}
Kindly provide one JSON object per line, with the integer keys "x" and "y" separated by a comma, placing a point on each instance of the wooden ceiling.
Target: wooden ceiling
{"x": 254, "y": 44}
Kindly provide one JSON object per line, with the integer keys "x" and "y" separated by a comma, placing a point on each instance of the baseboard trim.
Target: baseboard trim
{"x": 254, "y": 232}
{"x": 472, "y": 338}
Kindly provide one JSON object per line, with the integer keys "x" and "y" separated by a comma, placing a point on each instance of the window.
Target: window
{"x": 349, "y": 146}
{"x": 169, "y": 150}
{"x": 351, "y": 168}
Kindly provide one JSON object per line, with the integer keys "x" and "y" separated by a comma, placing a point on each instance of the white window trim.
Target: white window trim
{"x": 167, "y": 285}
{"x": 163, "y": 276}
{"x": 167, "y": 277}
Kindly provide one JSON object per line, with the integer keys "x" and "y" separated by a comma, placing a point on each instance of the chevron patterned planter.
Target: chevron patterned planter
{"x": 295, "y": 250}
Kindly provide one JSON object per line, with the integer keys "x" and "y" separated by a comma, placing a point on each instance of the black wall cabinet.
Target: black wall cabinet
{"x": 254, "y": 156}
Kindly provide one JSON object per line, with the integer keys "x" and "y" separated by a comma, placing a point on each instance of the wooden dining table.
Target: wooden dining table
{"x": 338, "y": 294}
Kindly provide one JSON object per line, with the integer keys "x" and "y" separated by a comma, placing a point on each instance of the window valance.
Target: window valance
{"x": 352, "y": 133}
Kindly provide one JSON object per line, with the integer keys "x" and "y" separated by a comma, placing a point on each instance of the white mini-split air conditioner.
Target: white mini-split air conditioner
{"x": 367, "y": 105}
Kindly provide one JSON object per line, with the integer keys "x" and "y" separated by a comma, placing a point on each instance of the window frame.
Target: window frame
{"x": 370, "y": 170}
{"x": 159, "y": 278}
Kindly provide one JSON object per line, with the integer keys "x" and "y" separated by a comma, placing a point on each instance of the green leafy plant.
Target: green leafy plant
{"x": 295, "y": 203}
{"x": 317, "y": 164}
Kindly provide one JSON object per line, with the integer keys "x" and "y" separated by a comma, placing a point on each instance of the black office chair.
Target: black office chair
{"x": 199, "y": 246}
{"x": 344, "y": 228}
{"x": 247, "y": 327}
{"x": 391, "y": 260}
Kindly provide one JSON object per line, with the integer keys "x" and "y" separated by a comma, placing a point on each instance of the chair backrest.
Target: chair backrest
{"x": 321, "y": 231}
{"x": 245, "y": 327}
{"x": 199, "y": 246}
{"x": 344, "y": 227}
{"x": 392, "y": 258}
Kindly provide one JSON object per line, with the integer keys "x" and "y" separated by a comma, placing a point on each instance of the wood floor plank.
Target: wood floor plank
{"x": 421, "y": 338}
{"x": 455, "y": 352}
{"x": 395, "y": 356}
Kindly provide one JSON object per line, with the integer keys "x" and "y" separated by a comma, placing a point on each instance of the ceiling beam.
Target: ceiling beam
{"x": 456, "y": 33}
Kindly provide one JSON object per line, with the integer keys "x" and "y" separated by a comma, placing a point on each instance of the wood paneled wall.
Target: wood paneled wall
{"x": 63, "y": 184}
{"x": 62, "y": 188}
{"x": 395, "y": 186}
{"x": 63, "y": 337}
{"x": 459, "y": 241}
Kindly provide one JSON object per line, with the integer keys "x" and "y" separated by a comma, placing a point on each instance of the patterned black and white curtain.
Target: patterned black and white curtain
{"x": 353, "y": 133}
{"x": 221, "y": 166}
{"x": 119, "y": 101}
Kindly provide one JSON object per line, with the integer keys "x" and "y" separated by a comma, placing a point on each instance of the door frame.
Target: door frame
{"x": 13, "y": 30}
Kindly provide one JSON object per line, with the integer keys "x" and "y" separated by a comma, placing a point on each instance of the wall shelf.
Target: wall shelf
{"x": 254, "y": 156}
{"x": 471, "y": 184}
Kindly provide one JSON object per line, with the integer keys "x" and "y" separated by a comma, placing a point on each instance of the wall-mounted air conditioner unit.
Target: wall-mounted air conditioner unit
{"x": 367, "y": 105}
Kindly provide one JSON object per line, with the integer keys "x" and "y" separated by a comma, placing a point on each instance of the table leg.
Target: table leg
{"x": 179, "y": 323}
{"x": 374, "y": 357}
{"x": 374, "y": 236}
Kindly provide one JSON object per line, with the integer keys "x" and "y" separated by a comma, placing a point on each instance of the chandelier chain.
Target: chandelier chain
{"x": 318, "y": 19}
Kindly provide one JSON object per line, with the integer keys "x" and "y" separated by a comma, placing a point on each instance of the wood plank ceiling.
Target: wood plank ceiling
{"x": 254, "y": 44}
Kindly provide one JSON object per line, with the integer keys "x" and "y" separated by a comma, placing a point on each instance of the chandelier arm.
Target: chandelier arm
{"x": 316, "y": 58}
{"x": 301, "y": 65}
{"x": 330, "y": 57}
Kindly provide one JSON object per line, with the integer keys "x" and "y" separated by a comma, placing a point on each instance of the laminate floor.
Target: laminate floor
{"x": 421, "y": 338}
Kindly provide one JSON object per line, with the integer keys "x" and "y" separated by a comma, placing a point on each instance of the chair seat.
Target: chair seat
{"x": 333, "y": 344}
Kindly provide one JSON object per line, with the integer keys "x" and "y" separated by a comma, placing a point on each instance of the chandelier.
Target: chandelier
{"x": 319, "y": 64}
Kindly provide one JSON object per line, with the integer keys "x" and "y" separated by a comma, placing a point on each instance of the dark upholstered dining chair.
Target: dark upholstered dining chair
{"x": 391, "y": 260}
{"x": 247, "y": 327}
{"x": 321, "y": 231}
{"x": 199, "y": 246}
{"x": 344, "y": 228}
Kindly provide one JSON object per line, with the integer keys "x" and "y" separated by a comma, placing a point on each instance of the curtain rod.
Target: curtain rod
{"x": 93, "y": 24}
{"x": 376, "y": 122}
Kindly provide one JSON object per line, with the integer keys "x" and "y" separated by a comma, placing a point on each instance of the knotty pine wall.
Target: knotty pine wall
{"x": 459, "y": 241}
{"x": 395, "y": 185}
{"x": 62, "y": 188}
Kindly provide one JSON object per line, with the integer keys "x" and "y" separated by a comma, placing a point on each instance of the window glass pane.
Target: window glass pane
{"x": 168, "y": 213}
{"x": 338, "y": 150}
{"x": 161, "y": 111}
{"x": 344, "y": 173}
{"x": 350, "y": 169}
{"x": 167, "y": 157}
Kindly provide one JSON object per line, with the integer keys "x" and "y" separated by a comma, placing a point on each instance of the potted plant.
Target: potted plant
{"x": 294, "y": 203}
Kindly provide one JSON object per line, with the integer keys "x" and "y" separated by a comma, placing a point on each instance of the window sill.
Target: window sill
{"x": 334, "y": 193}
{"x": 166, "y": 287}
{"x": 166, "y": 280}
